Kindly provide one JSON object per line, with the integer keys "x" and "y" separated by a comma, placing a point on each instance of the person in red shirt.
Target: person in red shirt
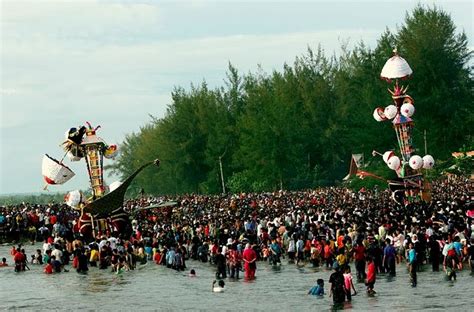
{"x": 250, "y": 257}
{"x": 75, "y": 261}
{"x": 307, "y": 249}
{"x": 48, "y": 269}
{"x": 34, "y": 219}
{"x": 359, "y": 259}
{"x": 138, "y": 235}
{"x": 157, "y": 257}
{"x": 234, "y": 261}
{"x": 214, "y": 250}
{"x": 340, "y": 239}
{"x": 20, "y": 260}
{"x": 371, "y": 276}
{"x": 53, "y": 219}
{"x": 4, "y": 262}
{"x": 328, "y": 255}
{"x": 13, "y": 251}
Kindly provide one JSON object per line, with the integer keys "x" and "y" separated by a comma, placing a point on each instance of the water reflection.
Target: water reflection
{"x": 96, "y": 282}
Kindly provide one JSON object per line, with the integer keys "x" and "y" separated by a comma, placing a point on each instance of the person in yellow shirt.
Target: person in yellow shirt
{"x": 341, "y": 258}
{"x": 94, "y": 257}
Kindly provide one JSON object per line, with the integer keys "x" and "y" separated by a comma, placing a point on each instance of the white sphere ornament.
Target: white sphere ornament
{"x": 416, "y": 162}
{"x": 428, "y": 162}
{"x": 393, "y": 162}
{"x": 390, "y": 111}
{"x": 387, "y": 155}
{"x": 73, "y": 198}
{"x": 379, "y": 114}
{"x": 407, "y": 109}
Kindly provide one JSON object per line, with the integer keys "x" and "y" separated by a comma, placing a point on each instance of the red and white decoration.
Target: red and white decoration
{"x": 55, "y": 172}
{"x": 415, "y": 162}
{"x": 428, "y": 162}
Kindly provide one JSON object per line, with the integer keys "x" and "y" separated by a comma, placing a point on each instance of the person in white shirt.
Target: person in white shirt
{"x": 102, "y": 242}
{"x": 113, "y": 242}
{"x": 276, "y": 221}
{"x": 40, "y": 216}
{"x": 382, "y": 232}
{"x": 429, "y": 231}
{"x": 259, "y": 229}
{"x": 291, "y": 249}
{"x": 56, "y": 228}
{"x": 46, "y": 246}
{"x": 399, "y": 243}
{"x": 224, "y": 250}
{"x": 57, "y": 253}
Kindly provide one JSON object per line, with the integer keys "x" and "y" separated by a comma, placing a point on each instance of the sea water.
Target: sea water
{"x": 280, "y": 288}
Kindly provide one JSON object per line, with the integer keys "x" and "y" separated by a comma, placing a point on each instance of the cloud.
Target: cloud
{"x": 89, "y": 20}
{"x": 56, "y": 77}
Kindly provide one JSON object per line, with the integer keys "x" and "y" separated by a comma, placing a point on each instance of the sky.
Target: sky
{"x": 115, "y": 63}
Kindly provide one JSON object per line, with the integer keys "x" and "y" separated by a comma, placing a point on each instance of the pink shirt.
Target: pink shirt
{"x": 347, "y": 280}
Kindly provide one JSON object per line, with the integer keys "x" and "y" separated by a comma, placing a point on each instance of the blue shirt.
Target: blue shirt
{"x": 458, "y": 248}
{"x": 148, "y": 250}
{"x": 276, "y": 248}
{"x": 411, "y": 256}
{"x": 170, "y": 257}
{"x": 299, "y": 245}
{"x": 389, "y": 252}
{"x": 316, "y": 290}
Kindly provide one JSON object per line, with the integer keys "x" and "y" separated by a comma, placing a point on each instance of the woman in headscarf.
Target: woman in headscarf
{"x": 250, "y": 257}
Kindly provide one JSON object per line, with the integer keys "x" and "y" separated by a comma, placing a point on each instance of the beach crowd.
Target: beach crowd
{"x": 332, "y": 227}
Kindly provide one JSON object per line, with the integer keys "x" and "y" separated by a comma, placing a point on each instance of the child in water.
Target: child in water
{"x": 220, "y": 286}
{"x": 48, "y": 269}
{"x": 318, "y": 289}
{"x": 348, "y": 283}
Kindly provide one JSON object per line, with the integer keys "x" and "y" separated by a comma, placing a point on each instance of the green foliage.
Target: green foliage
{"x": 298, "y": 127}
{"x": 462, "y": 165}
{"x": 6, "y": 200}
{"x": 367, "y": 183}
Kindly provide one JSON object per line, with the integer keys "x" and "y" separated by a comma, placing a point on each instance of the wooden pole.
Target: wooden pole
{"x": 93, "y": 226}
{"x": 426, "y": 147}
{"x": 222, "y": 175}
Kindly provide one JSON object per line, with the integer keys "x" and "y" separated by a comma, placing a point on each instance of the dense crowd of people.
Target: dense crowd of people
{"x": 331, "y": 227}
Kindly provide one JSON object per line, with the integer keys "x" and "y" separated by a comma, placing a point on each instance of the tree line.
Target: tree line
{"x": 297, "y": 128}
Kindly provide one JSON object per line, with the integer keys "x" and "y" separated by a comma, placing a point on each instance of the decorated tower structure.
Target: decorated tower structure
{"x": 410, "y": 184}
{"x": 93, "y": 148}
{"x": 104, "y": 208}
